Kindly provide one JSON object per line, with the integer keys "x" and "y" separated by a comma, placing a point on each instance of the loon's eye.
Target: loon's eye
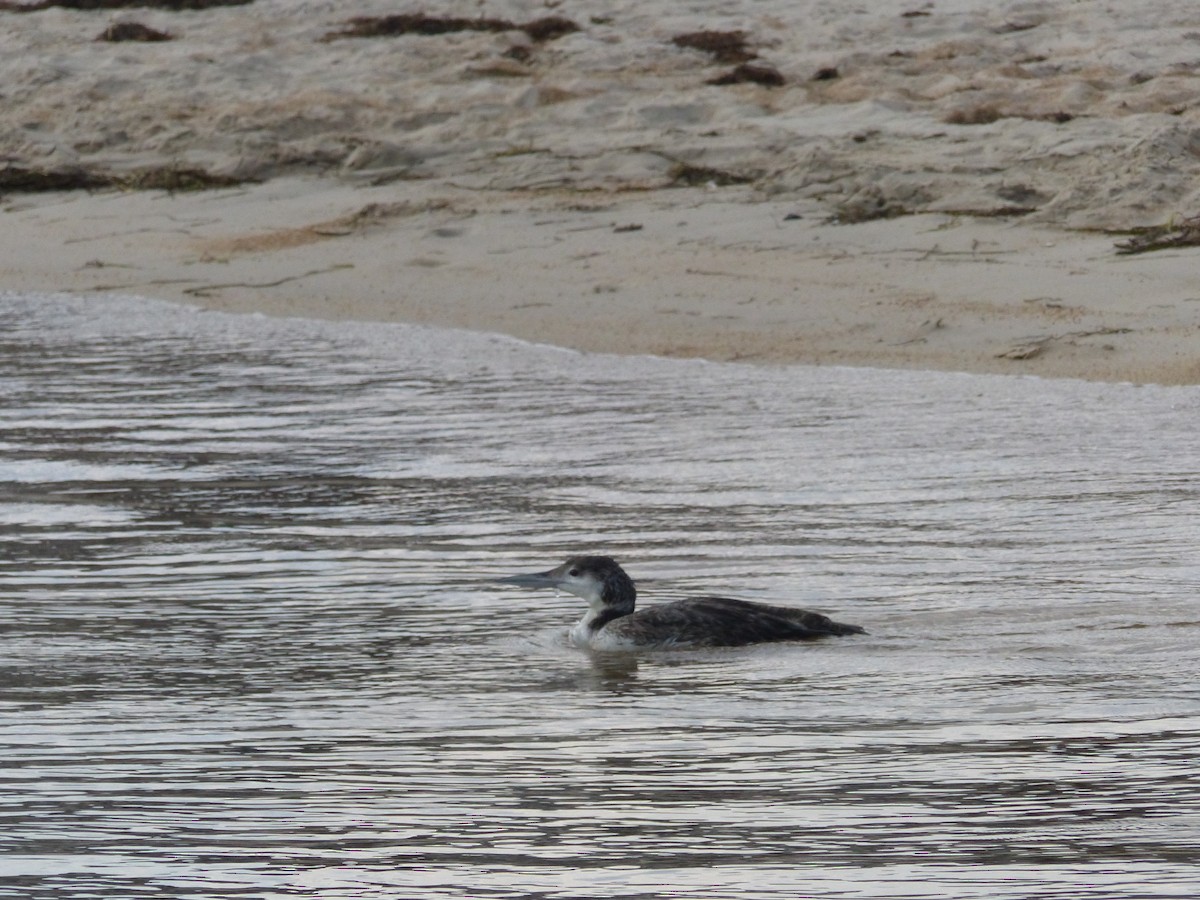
{"x": 574, "y": 573}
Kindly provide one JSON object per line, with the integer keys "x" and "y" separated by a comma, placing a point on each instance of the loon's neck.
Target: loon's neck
{"x": 591, "y": 623}
{"x": 613, "y": 598}
{"x": 594, "y": 621}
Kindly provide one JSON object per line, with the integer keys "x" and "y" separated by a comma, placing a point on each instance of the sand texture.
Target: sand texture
{"x": 885, "y": 183}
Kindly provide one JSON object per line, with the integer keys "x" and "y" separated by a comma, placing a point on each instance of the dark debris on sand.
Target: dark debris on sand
{"x": 750, "y": 73}
{"x": 133, "y": 31}
{"x": 869, "y": 205}
{"x": 723, "y": 46}
{"x": 1172, "y": 235}
{"x": 176, "y": 179}
{"x": 688, "y": 175}
{"x": 29, "y": 181}
{"x": 980, "y": 114}
{"x": 548, "y": 28}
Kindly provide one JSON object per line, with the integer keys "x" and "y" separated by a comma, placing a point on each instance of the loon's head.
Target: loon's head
{"x": 597, "y": 579}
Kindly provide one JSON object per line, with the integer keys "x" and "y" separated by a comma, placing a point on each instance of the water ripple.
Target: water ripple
{"x": 249, "y": 647}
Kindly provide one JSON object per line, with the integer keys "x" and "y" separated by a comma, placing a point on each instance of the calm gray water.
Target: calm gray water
{"x": 247, "y": 649}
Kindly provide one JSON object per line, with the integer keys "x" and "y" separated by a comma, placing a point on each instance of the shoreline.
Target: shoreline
{"x": 717, "y": 273}
{"x": 647, "y": 178}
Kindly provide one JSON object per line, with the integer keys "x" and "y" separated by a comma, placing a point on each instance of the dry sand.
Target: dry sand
{"x": 595, "y": 191}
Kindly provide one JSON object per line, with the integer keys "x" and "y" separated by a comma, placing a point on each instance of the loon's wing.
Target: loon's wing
{"x": 725, "y": 622}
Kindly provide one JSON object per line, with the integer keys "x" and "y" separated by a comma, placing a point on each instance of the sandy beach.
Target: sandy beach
{"x": 925, "y": 185}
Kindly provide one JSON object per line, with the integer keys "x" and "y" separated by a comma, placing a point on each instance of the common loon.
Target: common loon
{"x": 612, "y": 623}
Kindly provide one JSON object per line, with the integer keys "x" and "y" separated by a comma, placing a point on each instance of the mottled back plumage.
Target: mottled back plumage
{"x": 726, "y": 622}
{"x": 613, "y": 621}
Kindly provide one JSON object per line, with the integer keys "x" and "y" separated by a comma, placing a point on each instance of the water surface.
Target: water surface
{"x": 247, "y": 648}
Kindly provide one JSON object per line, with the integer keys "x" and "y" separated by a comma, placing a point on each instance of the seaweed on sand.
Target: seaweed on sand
{"x": 164, "y": 178}
{"x": 1182, "y": 233}
{"x": 750, "y": 73}
{"x": 133, "y": 31}
{"x": 29, "y": 181}
{"x": 687, "y": 175}
{"x": 723, "y": 46}
{"x": 548, "y": 28}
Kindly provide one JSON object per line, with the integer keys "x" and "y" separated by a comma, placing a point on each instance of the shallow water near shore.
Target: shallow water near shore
{"x": 249, "y": 647}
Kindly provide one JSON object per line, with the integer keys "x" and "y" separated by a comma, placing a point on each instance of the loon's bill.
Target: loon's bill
{"x": 613, "y": 623}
